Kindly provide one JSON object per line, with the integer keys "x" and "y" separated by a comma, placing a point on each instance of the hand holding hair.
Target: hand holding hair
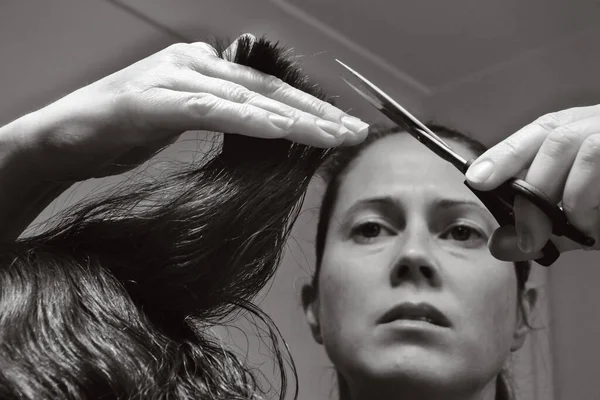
{"x": 119, "y": 292}
{"x": 120, "y": 121}
{"x": 560, "y": 153}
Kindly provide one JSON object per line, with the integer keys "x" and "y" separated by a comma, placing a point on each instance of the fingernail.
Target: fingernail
{"x": 354, "y": 124}
{"x": 524, "y": 240}
{"x": 281, "y": 122}
{"x": 480, "y": 172}
{"x": 332, "y": 128}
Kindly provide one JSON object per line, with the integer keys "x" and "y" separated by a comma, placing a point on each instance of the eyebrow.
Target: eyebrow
{"x": 389, "y": 201}
{"x": 452, "y": 203}
{"x": 385, "y": 201}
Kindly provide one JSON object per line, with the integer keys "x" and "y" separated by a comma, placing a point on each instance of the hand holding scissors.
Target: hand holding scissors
{"x": 501, "y": 192}
{"x": 561, "y": 153}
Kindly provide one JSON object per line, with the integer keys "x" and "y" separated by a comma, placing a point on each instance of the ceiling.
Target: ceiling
{"x": 438, "y": 43}
{"x": 481, "y": 66}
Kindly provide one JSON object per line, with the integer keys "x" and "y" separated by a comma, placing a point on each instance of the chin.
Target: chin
{"x": 413, "y": 366}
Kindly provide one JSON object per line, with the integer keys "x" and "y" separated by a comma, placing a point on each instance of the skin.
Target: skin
{"x": 413, "y": 249}
{"x": 120, "y": 121}
{"x": 560, "y": 153}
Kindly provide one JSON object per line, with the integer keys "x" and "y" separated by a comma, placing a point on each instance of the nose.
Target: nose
{"x": 415, "y": 261}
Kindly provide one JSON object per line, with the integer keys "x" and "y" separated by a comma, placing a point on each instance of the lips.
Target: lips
{"x": 416, "y": 312}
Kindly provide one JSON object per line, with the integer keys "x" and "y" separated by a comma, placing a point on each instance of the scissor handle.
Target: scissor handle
{"x": 502, "y": 210}
{"x": 500, "y": 203}
{"x": 560, "y": 223}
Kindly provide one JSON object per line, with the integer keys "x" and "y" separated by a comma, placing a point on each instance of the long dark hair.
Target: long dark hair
{"x": 334, "y": 170}
{"x": 116, "y": 298}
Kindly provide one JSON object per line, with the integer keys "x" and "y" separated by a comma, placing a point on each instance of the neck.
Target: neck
{"x": 413, "y": 392}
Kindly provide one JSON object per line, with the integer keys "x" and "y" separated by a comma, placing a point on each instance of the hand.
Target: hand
{"x": 561, "y": 153}
{"x": 123, "y": 119}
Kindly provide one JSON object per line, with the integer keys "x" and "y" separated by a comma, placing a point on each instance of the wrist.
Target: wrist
{"x": 13, "y": 152}
{"x": 25, "y": 160}
{"x": 34, "y": 153}
{"x": 24, "y": 192}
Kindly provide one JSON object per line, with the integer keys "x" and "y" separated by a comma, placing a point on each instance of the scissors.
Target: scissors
{"x": 498, "y": 201}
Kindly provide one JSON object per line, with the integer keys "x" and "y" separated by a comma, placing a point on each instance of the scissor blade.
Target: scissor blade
{"x": 402, "y": 117}
{"x": 375, "y": 102}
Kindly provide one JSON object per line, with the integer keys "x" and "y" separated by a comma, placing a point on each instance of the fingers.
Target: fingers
{"x": 548, "y": 147}
{"x": 203, "y": 111}
{"x": 533, "y": 226}
{"x": 581, "y": 197}
{"x": 276, "y": 89}
{"x": 266, "y": 85}
{"x": 191, "y": 81}
{"x": 205, "y": 47}
{"x": 516, "y": 153}
{"x": 548, "y": 173}
{"x": 581, "y": 202}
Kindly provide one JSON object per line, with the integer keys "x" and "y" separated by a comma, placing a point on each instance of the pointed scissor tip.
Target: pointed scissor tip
{"x": 343, "y": 65}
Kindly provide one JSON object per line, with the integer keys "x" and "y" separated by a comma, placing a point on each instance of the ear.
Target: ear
{"x": 310, "y": 305}
{"x": 525, "y": 311}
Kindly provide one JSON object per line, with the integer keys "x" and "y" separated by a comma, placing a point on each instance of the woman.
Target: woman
{"x": 406, "y": 298}
{"x": 116, "y": 303}
{"x": 116, "y": 299}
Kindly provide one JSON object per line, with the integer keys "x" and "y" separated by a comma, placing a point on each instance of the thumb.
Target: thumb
{"x": 533, "y": 226}
{"x": 503, "y": 245}
{"x": 507, "y": 159}
{"x": 515, "y": 153}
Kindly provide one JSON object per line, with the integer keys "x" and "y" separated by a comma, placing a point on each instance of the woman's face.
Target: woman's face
{"x": 408, "y": 292}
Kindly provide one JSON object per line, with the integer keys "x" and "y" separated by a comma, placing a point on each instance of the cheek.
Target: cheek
{"x": 347, "y": 290}
{"x": 492, "y": 307}
{"x": 342, "y": 293}
{"x": 347, "y": 313}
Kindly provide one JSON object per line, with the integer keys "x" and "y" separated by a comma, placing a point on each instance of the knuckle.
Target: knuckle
{"x": 207, "y": 48}
{"x": 590, "y": 150}
{"x": 176, "y": 49}
{"x": 246, "y": 113}
{"x": 548, "y": 122}
{"x": 562, "y": 137}
{"x": 320, "y": 108}
{"x": 177, "y": 54}
{"x": 201, "y": 104}
{"x": 240, "y": 94}
{"x": 511, "y": 149}
{"x": 274, "y": 85}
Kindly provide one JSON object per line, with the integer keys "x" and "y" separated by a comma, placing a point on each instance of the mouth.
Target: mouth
{"x": 416, "y": 312}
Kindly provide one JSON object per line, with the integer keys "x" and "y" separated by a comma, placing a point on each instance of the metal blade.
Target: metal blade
{"x": 376, "y": 103}
{"x": 402, "y": 117}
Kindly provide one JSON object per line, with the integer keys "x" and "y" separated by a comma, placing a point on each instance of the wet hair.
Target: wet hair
{"x": 334, "y": 171}
{"x": 117, "y": 297}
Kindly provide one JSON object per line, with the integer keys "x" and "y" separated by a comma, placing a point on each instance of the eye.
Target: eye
{"x": 461, "y": 232}
{"x": 464, "y": 233}
{"x": 369, "y": 231}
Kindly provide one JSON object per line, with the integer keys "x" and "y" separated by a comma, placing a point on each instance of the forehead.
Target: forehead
{"x": 399, "y": 166}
